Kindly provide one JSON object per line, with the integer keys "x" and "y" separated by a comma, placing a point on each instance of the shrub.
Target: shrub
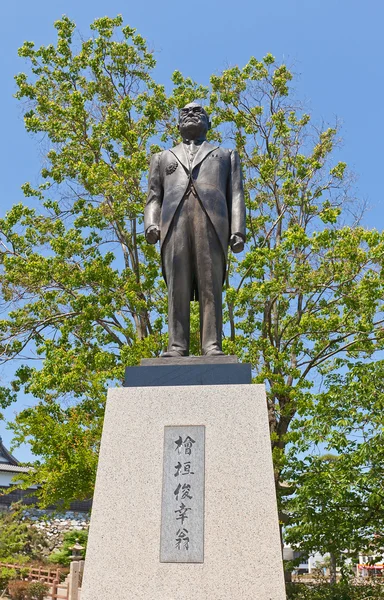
{"x": 17, "y": 589}
{"x": 62, "y": 557}
{"x": 338, "y": 591}
{"x": 37, "y": 590}
{"x": 9, "y": 573}
{"x": 15, "y": 559}
{"x": 18, "y": 536}
{"x": 6, "y": 574}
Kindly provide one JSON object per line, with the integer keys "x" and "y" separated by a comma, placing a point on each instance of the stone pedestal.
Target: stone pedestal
{"x": 189, "y": 370}
{"x": 242, "y": 555}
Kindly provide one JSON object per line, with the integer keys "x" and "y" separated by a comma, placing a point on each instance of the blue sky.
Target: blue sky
{"x": 336, "y": 48}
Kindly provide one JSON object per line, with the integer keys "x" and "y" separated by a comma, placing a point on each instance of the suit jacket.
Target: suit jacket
{"x": 217, "y": 178}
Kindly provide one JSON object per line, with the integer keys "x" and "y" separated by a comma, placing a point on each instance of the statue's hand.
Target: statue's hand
{"x": 152, "y": 235}
{"x": 237, "y": 243}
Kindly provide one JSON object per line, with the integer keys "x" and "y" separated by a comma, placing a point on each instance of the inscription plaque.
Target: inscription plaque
{"x": 182, "y": 511}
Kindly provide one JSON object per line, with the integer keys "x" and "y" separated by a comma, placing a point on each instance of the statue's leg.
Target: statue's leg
{"x": 209, "y": 265}
{"x": 176, "y": 256}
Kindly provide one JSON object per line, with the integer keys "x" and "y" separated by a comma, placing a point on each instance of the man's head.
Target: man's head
{"x": 193, "y": 122}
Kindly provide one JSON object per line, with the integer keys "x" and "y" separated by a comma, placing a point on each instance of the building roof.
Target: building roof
{"x": 13, "y": 468}
{"x": 6, "y": 457}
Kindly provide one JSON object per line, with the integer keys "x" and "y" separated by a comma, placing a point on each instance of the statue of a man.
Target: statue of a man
{"x": 195, "y": 206}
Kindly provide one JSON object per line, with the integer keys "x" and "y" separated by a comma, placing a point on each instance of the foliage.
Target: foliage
{"x": 37, "y": 590}
{"x": 18, "y": 589}
{"x": 18, "y": 538}
{"x": 63, "y": 555}
{"x": 338, "y": 504}
{"x": 83, "y": 296}
{"x": 81, "y": 288}
{"x": 339, "y": 591}
{"x": 6, "y": 574}
{"x": 306, "y": 300}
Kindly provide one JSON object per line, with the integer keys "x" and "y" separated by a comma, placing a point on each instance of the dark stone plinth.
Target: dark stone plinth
{"x": 189, "y": 360}
{"x": 189, "y": 370}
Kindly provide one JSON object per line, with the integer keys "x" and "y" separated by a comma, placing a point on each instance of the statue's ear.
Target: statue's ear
{"x": 209, "y": 124}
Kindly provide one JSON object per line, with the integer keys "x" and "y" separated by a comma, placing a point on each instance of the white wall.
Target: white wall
{"x": 6, "y": 479}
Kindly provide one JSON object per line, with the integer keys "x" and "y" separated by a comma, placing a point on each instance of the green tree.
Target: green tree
{"x": 19, "y": 540}
{"x": 340, "y": 591}
{"x": 305, "y": 299}
{"x": 339, "y": 498}
{"x": 81, "y": 287}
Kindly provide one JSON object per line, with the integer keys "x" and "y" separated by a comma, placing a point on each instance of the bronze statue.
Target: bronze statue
{"x": 195, "y": 206}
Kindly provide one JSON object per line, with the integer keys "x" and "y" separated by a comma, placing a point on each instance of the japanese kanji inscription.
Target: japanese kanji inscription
{"x": 182, "y": 515}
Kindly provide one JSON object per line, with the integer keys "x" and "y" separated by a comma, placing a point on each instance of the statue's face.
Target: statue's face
{"x": 193, "y": 121}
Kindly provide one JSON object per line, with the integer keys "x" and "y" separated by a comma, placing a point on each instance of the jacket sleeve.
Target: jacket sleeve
{"x": 236, "y": 204}
{"x": 155, "y": 194}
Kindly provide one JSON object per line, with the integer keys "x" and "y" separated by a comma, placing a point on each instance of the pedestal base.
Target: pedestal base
{"x": 242, "y": 554}
{"x": 188, "y": 370}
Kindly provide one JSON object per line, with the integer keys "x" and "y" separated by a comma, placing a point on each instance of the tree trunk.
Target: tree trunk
{"x": 332, "y": 568}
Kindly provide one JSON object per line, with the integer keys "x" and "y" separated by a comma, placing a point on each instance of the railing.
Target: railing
{"x": 51, "y": 577}
{"x": 54, "y": 591}
{"x": 36, "y": 573}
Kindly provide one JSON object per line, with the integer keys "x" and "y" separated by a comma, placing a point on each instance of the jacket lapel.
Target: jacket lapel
{"x": 180, "y": 154}
{"x": 202, "y": 153}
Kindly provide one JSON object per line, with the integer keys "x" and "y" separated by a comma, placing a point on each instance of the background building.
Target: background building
{"x": 10, "y": 468}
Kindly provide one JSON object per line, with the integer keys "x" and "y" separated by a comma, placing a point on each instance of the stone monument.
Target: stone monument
{"x": 185, "y": 504}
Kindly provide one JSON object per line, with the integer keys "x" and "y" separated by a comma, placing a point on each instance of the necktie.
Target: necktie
{"x": 192, "y": 152}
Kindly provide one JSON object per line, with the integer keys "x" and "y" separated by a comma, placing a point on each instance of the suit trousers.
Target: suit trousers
{"x": 193, "y": 259}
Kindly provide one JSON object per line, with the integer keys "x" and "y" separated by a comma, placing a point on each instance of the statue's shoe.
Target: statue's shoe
{"x": 172, "y": 354}
{"x": 214, "y": 352}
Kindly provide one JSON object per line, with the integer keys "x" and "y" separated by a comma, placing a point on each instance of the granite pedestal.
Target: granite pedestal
{"x": 242, "y": 554}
